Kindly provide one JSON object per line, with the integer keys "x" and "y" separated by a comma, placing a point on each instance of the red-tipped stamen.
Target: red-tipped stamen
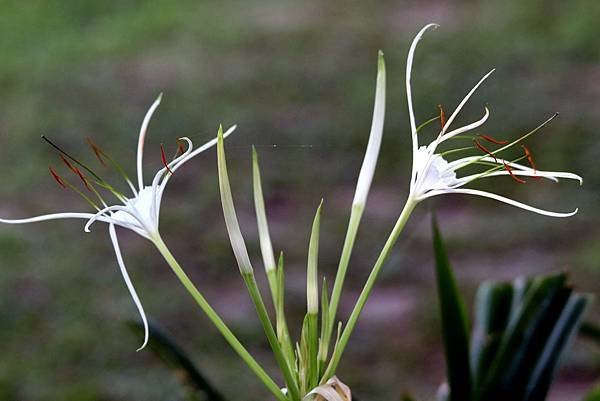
{"x": 492, "y": 140}
{"x": 68, "y": 164}
{"x": 83, "y": 179}
{"x": 442, "y": 116}
{"x": 180, "y": 148}
{"x": 514, "y": 177}
{"x": 530, "y": 160}
{"x": 97, "y": 151}
{"x": 484, "y": 149}
{"x": 57, "y": 177}
{"x": 164, "y": 158}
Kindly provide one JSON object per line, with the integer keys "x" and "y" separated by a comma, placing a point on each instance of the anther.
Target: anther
{"x": 180, "y": 148}
{"x": 492, "y": 140}
{"x": 57, "y": 177}
{"x": 484, "y": 149}
{"x": 83, "y": 179}
{"x": 68, "y": 164}
{"x": 514, "y": 177}
{"x": 97, "y": 151}
{"x": 530, "y": 160}
{"x": 442, "y": 116}
{"x": 164, "y": 158}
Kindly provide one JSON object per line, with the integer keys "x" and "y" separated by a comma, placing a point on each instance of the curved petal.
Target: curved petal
{"x": 204, "y": 147}
{"x": 46, "y": 217}
{"x": 173, "y": 165}
{"x": 411, "y": 114}
{"x": 500, "y": 199}
{"x": 454, "y": 114}
{"x": 550, "y": 175}
{"x": 464, "y": 101}
{"x": 132, "y": 292}
{"x": 142, "y": 139}
{"x": 60, "y": 216}
{"x": 180, "y": 161}
{"x": 467, "y": 127}
{"x": 100, "y": 216}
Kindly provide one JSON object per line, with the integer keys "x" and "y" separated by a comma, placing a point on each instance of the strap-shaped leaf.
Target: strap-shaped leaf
{"x": 544, "y": 314}
{"x": 524, "y": 338}
{"x": 492, "y": 312}
{"x": 454, "y": 324}
{"x": 565, "y": 327}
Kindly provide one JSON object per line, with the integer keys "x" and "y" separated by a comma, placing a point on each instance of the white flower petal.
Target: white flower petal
{"x": 500, "y": 199}
{"x": 467, "y": 127}
{"x": 132, "y": 292}
{"x": 142, "y": 139}
{"x": 550, "y": 175}
{"x": 204, "y": 147}
{"x": 46, "y": 217}
{"x": 464, "y": 101}
{"x": 411, "y": 114}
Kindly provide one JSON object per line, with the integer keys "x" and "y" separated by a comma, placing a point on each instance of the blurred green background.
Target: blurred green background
{"x": 299, "y": 75}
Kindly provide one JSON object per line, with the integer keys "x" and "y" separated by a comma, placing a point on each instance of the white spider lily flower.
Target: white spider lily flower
{"x": 433, "y": 175}
{"x": 139, "y": 213}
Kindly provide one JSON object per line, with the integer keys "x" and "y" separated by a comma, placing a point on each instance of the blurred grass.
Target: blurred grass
{"x": 299, "y": 75}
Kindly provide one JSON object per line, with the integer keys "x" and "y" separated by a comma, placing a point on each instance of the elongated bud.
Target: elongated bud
{"x": 266, "y": 248}
{"x": 312, "y": 289}
{"x": 367, "y": 170}
{"x": 231, "y": 222}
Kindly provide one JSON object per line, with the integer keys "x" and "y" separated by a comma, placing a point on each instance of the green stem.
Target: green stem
{"x": 254, "y": 292}
{"x": 216, "y": 320}
{"x": 364, "y": 295}
{"x": 355, "y": 216}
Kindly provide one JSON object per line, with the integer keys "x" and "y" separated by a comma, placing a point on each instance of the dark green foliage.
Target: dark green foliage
{"x": 520, "y": 331}
{"x": 169, "y": 352}
{"x": 593, "y": 395}
{"x": 454, "y": 324}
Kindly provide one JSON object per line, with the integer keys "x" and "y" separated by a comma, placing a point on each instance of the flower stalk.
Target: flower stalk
{"x": 243, "y": 260}
{"x": 217, "y": 321}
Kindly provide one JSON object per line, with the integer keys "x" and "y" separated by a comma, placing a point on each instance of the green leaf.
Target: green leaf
{"x": 524, "y": 339}
{"x": 594, "y": 394}
{"x": 312, "y": 300}
{"x": 324, "y": 337}
{"x": 565, "y": 327}
{"x": 521, "y": 330}
{"x": 492, "y": 312}
{"x": 168, "y": 351}
{"x": 590, "y": 331}
{"x": 454, "y": 324}
{"x": 283, "y": 334}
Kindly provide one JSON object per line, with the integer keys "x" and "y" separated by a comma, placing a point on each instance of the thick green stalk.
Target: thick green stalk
{"x": 355, "y": 216}
{"x": 366, "y": 291}
{"x": 217, "y": 321}
{"x": 285, "y": 367}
